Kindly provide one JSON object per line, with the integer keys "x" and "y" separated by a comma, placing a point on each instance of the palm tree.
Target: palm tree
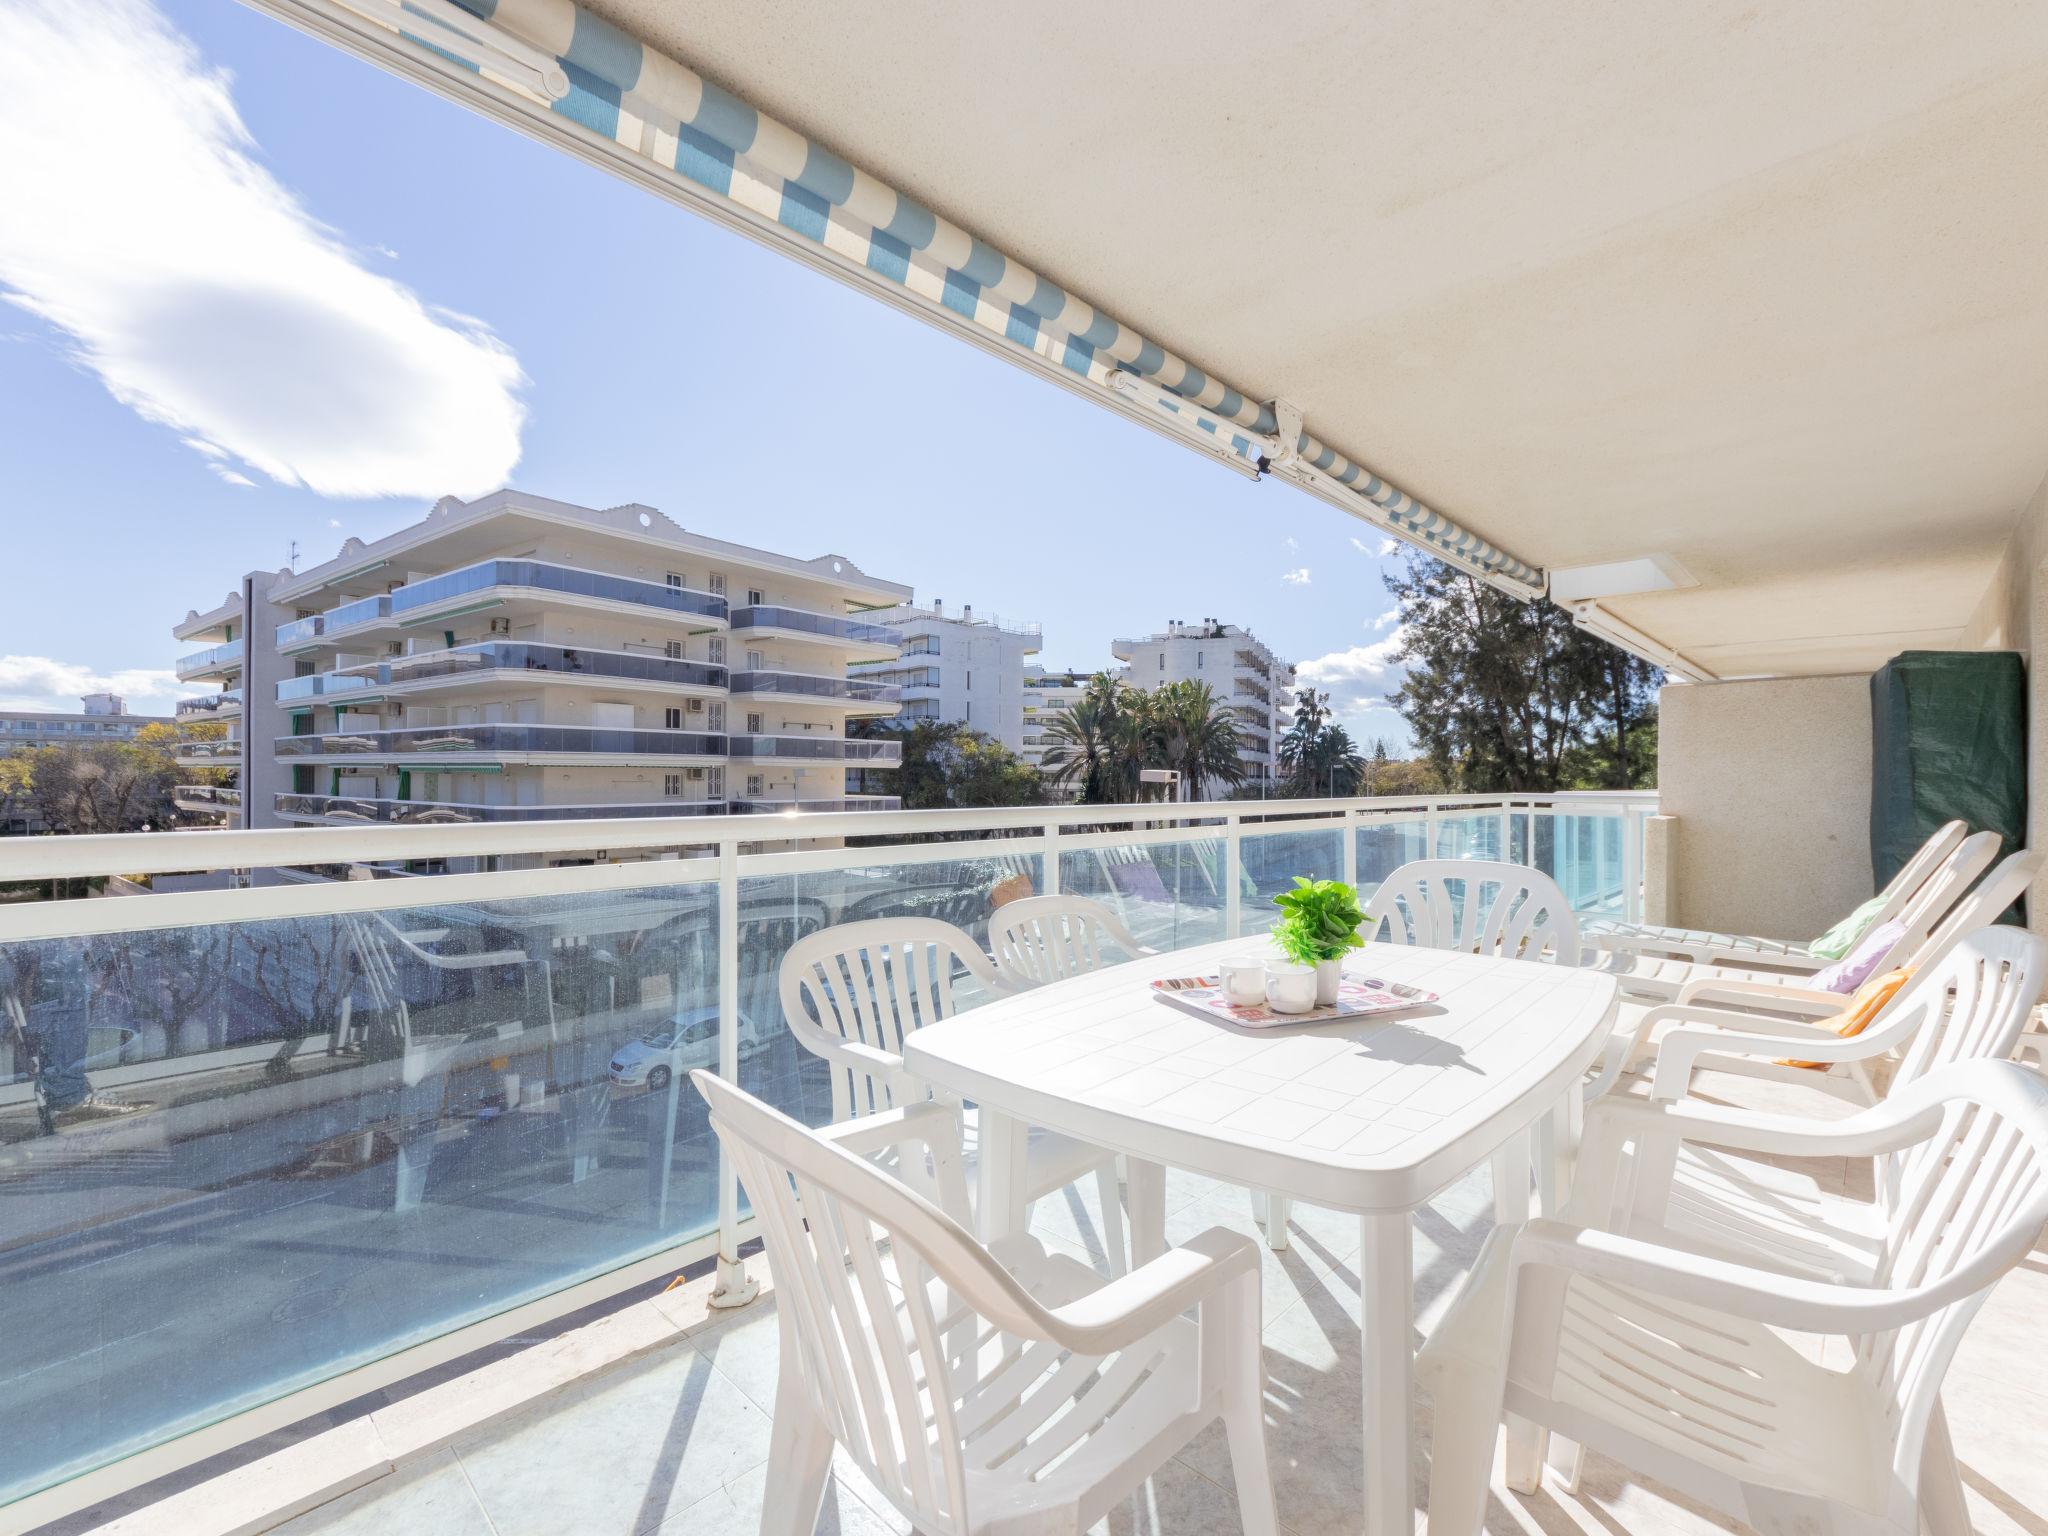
{"x": 1318, "y": 754}
{"x": 1097, "y": 744}
{"x": 1190, "y": 731}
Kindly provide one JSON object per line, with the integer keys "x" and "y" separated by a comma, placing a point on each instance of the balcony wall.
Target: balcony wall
{"x": 530, "y": 661}
{"x": 447, "y": 743}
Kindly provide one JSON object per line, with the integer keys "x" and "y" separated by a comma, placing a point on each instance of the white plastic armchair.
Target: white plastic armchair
{"x": 1478, "y": 907}
{"x": 1661, "y": 971}
{"x": 852, "y": 993}
{"x": 1702, "y": 947}
{"x": 1043, "y": 939}
{"x": 1674, "y": 1362}
{"x": 981, "y": 1391}
{"x": 1746, "y": 1026}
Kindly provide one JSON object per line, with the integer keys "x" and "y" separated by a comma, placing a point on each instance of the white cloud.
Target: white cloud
{"x": 1357, "y": 679}
{"x": 1391, "y": 616}
{"x": 1378, "y": 551}
{"x": 141, "y": 221}
{"x": 232, "y": 476}
{"x": 38, "y": 682}
{"x": 1297, "y": 577}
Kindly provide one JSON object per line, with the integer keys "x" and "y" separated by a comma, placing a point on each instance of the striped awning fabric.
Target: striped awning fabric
{"x": 661, "y": 110}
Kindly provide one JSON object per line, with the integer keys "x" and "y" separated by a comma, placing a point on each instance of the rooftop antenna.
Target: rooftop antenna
{"x": 294, "y": 561}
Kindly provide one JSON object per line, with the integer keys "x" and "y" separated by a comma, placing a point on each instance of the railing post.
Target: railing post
{"x": 1233, "y": 855}
{"x": 1348, "y": 830}
{"x": 734, "y": 1287}
{"x": 1052, "y": 855}
{"x": 1631, "y": 864}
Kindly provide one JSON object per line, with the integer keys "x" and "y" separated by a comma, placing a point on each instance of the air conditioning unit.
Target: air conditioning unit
{"x": 694, "y": 706}
{"x": 501, "y": 626}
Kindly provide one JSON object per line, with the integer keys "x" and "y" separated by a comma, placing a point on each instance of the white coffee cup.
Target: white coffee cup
{"x": 1290, "y": 986}
{"x": 1243, "y": 981}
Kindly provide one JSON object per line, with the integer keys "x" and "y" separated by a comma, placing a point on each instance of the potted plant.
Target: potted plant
{"x": 1321, "y": 923}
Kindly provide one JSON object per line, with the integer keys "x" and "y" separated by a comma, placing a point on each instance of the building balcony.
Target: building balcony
{"x": 346, "y": 810}
{"x": 225, "y": 705}
{"x": 503, "y": 661}
{"x": 223, "y": 660}
{"x": 204, "y": 799}
{"x": 853, "y": 694}
{"x": 515, "y": 585}
{"x": 814, "y": 749}
{"x": 451, "y": 746}
{"x": 206, "y": 752}
{"x": 771, "y": 622}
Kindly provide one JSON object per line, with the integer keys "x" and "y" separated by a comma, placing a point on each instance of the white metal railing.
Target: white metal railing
{"x": 1231, "y": 853}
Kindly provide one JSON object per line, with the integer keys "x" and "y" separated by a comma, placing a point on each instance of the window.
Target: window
{"x": 1200, "y": 656}
{"x": 970, "y": 710}
{"x": 754, "y": 783}
{"x": 1162, "y": 661}
{"x": 673, "y": 649}
{"x": 672, "y": 719}
{"x": 675, "y": 579}
{"x": 754, "y": 598}
{"x": 756, "y": 660}
{"x": 717, "y": 580}
{"x": 717, "y": 644}
{"x": 970, "y": 680}
{"x": 671, "y": 784}
{"x": 754, "y": 721}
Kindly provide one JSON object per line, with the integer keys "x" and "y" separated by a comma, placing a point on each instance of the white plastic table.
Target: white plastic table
{"x": 1373, "y": 1117}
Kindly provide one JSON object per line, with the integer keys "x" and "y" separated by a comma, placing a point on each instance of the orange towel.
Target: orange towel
{"x": 1865, "y": 1004}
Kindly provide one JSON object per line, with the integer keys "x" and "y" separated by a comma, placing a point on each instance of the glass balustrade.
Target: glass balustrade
{"x": 416, "y": 598}
{"x": 215, "y": 658}
{"x": 521, "y": 656}
{"x": 442, "y": 741}
{"x": 819, "y": 748}
{"x": 824, "y": 625}
{"x": 758, "y": 807}
{"x": 348, "y": 808}
{"x": 851, "y": 690}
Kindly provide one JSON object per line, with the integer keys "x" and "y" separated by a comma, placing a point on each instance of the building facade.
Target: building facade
{"x": 516, "y": 658}
{"x": 1046, "y": 694}
{"x": 958, "y": 667}
{"x": 1240, "y": 669}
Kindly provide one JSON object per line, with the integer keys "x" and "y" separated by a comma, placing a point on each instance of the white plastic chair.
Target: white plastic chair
{"x": 1639, "y": 1174}
{"x": 1002, "y": 1392}
{"x": 1044, "y": 939}
{"x": 1476, "y": 907}
{"x": 1744, "y": 1024}
{"x": 1659, "y": 971}
{"x": 1677, "y": 1364}
{"x": 853, "y": 992}
{"x": 1702, "y": 947}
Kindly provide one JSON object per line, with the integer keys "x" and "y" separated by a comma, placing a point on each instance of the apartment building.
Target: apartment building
{"x": 517, "y": 658}
{"x": 1046, "y": 694}
{"x": 1240, "y": 669}
{"x": 957, "y": 667}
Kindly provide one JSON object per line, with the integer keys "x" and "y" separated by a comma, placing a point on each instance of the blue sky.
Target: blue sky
{"x": 179, "y": 317}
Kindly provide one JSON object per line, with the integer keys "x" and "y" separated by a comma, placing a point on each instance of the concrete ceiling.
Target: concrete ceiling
{"x": 1761, "y": 286}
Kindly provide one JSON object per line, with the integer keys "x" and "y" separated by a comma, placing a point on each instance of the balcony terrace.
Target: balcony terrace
{"x": 203, "y": 798}
{"x": 855, "y": 695}
{"x": 506, "y": 662}
{"x": 851, "y": 637}
{"x": 509, "y": 587}
{"x": 223, "y": 660}
{"x": 349, "y": 810}
{"x": 451, "y": 746}
{"x": 815, "y": 749}
{"x": 206, "y": 751}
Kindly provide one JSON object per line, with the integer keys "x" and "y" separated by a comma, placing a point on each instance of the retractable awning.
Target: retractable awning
{"x": 687, "y": 132}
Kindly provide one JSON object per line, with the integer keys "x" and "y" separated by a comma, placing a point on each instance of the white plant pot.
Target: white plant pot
{"x": 1328, "y": 972}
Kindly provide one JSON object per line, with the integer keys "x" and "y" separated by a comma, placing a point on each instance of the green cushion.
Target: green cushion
{"x": 1845, "y": 935}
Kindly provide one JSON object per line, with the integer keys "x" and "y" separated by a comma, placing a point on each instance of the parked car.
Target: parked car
{"x": 687, "y": 1041}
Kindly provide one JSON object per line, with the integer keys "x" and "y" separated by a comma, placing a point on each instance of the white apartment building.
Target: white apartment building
{"x": 518, "y": 658}
{"x": 1046, "y": 694}
{"x": 1240, "y": 669}
{"x": 958, "y": 667}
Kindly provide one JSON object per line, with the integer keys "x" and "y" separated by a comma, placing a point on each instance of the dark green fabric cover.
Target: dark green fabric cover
{"x": 1949, "y": 739}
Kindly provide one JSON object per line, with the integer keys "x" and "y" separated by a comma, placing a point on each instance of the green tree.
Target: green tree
{"x": 1105, "y": 739}
{"x": 1188, "y": 730}
{"x": 1507, "y": 695}
{"x": 1317, "y": 754}
{"x": 947, "y": 764}
{"x": 105, "y": 787}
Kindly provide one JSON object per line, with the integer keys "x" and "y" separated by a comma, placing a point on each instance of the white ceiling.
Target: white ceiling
{"x": 1762, "y": 286}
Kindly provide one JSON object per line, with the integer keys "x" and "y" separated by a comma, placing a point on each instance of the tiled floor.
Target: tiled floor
{"x": 677, "y": 1441}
